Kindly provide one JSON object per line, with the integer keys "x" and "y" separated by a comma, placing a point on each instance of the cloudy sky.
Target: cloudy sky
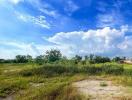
{"x": 102, "y": 27}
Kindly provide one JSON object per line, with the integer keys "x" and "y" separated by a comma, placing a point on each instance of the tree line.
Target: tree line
{"x": 55, "y": 56}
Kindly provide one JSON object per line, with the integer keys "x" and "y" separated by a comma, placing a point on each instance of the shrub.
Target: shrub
{"x": 92, "y": 69}
{"x": 128, "y": 72}
{"x": 26, "y": 73}
{"x": 51, "y": 70}
{"x": 104, "y": 69}
{"x": 113, "y": 69}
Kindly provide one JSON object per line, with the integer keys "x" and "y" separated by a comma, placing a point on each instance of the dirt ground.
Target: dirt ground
{"x": 102, "y": 90}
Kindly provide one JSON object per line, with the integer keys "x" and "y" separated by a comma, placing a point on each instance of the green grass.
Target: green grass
{"x": 53, "y": 82}
{"x": 103, "y": 84}
{"x": 26, "y": 86}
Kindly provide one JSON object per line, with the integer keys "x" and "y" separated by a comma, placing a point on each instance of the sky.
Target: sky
{"x": 83, "y": 27}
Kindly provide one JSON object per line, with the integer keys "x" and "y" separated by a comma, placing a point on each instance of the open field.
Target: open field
{"x": 65, "y": 49}
{"x": 55, "y": 82}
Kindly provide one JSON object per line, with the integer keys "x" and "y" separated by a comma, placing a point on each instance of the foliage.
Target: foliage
{"x": 99, "y": 59}
{"x": 117, "y": 59}
{"x": 51, "y": 70}
{"x": 77, "y": 59}
{"x": 21, "y": 59}
{"x": 113, "y": 69}
{"x": 54, "y": 70}
{"x": 52, "y": 80}
{"x": 53, "y": 55}
{"x": 29, "y": 58}
{"x": 2, "y": 60}
{"x": 40, "y": 59}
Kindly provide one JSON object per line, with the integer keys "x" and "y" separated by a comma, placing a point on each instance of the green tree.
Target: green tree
{"x": 29, "y": 58}
{"x": 21, "y": 59}
{"x": 2, "y": 60}
{"x": 77, "y": 59}
{"x": 91, "y": 59}
{"x": 86, "y": 57}
{"x": 100, "y": 59}
{"x": 40, "y": 59}
{"x": 53, "y": 55}
{"x": 116, "y": 59}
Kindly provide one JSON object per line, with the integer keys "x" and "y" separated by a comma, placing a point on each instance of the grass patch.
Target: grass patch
{"x": 103, "y": 84}
{"x": 10, "y": 86}
{"x": 17, "y": 79}
{"x": 54, "y": 70}
{"x": 54, "y": 88}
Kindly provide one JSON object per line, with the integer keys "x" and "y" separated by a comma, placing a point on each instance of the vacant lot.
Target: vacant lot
{"x": 98, "y": 89}
{"x": 55, "y": 82}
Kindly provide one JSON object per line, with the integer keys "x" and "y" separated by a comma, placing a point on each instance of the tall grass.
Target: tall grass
{"x": 128, "y": 72}
{"x": 53, "y": 70}
{"x": 58, "y": 91}
{"x": 56, "y": 80}
{"x": 10, "y": 86}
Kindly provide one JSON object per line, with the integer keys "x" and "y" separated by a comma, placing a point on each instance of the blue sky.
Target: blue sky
{"x": 102, "y": 27}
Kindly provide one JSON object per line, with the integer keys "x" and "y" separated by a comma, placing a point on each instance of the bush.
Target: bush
{"x": 128, "y": 72}
{"x": 113, "y": 69}
{"x": 53, "y": 70}
{"x": 92, "y": 69}
{"x": 104, "y": 69}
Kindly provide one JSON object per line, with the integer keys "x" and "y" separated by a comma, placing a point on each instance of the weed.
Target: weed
{"x": 103, "y": 84}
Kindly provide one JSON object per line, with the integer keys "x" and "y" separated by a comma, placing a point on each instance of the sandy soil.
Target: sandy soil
{"x": 94, "y": 90}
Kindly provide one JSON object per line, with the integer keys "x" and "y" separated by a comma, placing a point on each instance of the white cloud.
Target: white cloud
{"x": 70, "y": 7}
{"x": 51, "y": 13}
{"x": 17, "y": 48}
{"x": 44, "y": 7}
{"x": 15, "y": 1}
{"x": 39, "y": 20}
{"x": 110, "y": 19}
{"x": 110, "y": 15}
{"x": 21, "y": 48}
{"x": 106, "y": 41}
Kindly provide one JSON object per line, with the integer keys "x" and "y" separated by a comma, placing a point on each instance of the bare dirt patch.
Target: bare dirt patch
{"x": 102, "y": 90}
{"x": 36, "y": 84}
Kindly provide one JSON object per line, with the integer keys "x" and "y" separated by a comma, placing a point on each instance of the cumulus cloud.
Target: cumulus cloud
{"x": 9, "y": 49}
{"x": 105, "y": 41}
{"x": 126, "y": 46}
{"x": 17, "y": 48}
